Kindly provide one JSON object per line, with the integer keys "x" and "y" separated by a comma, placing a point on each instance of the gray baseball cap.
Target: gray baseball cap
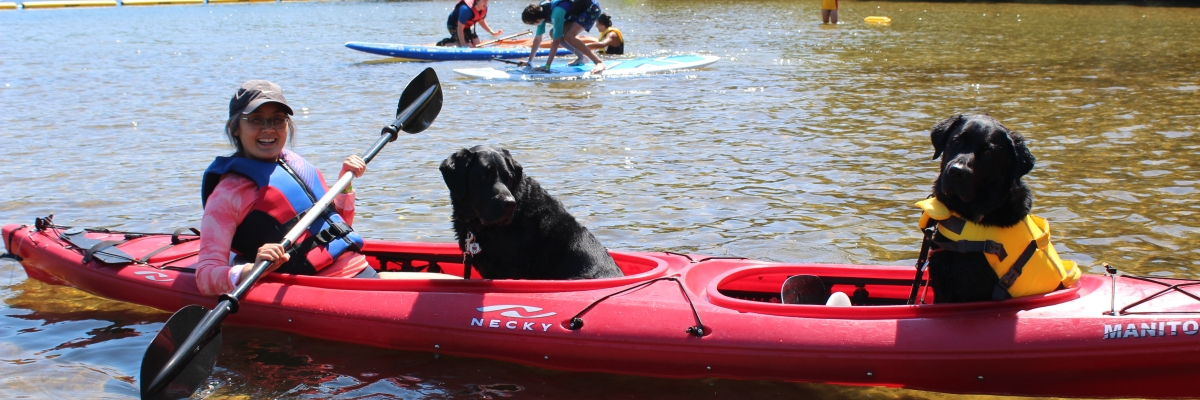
{"x": 256, "y": 93}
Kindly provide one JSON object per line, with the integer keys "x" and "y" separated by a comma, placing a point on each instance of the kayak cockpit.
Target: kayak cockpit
{"x": 441, "y": 259}
{"x": 876, "y": 292}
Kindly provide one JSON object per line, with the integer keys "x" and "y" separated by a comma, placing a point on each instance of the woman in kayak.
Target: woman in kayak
{"x": 254, "y": 196}
{"x": 569, "y": 18}
{"x": 462, "y": 20}
{"x": 611, "y": 41}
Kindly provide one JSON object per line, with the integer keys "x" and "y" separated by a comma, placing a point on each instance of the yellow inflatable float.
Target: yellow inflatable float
{"x": 877, "y": 20}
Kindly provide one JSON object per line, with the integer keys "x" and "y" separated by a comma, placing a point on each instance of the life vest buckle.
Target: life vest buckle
{"x": 996, "y": 248}
{"x": 335, "y": 231}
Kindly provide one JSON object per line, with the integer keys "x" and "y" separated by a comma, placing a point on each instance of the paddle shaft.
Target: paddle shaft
{"x": 206, "y": 327}
{"x": 491, "y": 42}
{"x": 508, "y": 61}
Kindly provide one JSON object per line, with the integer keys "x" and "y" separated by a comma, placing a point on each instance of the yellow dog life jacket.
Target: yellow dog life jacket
{"x": 1020, "y": 254}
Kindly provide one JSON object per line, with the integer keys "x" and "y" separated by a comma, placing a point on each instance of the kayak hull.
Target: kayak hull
{"x": 440, "y": 53}
{"x": 1059, "y": 344}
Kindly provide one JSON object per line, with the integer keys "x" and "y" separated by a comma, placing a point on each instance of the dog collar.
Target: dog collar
{"x": 472, "y": 245}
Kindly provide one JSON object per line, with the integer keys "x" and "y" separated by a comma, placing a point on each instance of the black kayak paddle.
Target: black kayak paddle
{"x": 184, "y": 353}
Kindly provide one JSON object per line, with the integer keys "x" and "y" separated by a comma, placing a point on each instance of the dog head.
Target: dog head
{"x": 482, "y": 182}
{"x": 982, "y": 163}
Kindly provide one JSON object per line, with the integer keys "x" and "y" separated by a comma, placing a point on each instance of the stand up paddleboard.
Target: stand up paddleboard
{"x": 438, "y": 53}
{"x": 639, "y": 66}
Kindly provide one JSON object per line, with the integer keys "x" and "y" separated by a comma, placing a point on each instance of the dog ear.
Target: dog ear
{"x": 940, "y": 133}
{"x": 454, "y": 172}
{"x": 1022, "y": 158}
{"x": 514, "y": 166}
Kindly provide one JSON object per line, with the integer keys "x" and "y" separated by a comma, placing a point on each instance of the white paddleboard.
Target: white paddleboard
{"x": 637, "y": 66}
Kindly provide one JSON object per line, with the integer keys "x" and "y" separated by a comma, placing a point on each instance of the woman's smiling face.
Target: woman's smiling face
{"x": 263, "y": 133}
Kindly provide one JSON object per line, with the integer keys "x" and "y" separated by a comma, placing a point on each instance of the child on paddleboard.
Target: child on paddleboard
{"x": 569, "y": 18}
{"x": 611, "y": 41}
{"x": 462, "y": 20}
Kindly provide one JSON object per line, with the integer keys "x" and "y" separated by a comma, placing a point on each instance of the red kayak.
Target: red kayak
{"x": 682, "y": 316}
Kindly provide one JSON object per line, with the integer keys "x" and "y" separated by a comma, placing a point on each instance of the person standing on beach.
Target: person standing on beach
{"x": 829, "y": 11}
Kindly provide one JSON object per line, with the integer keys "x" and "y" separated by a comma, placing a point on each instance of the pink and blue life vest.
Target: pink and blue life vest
{"x": 284, "y": 195}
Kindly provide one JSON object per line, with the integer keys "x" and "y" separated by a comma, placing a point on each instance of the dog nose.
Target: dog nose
{"x": 509, "y": 205}
{"x": 958, "y": 170}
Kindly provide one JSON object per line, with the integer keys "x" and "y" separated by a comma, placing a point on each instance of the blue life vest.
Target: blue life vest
{"x": 283, "y": 197}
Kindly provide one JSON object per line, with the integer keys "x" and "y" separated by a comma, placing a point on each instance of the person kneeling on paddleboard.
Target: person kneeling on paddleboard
{"x": 252, "y": 198}
{"x": 611, "y": 41}
{"x": 462, "y": 20}
{"x": 569, "y": 19}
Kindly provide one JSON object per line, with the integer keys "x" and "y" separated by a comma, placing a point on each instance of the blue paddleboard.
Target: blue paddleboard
{"x": 637, "y": 66}
{"x": 439, "y": 53}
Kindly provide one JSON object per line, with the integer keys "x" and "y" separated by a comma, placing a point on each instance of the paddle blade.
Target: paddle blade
{"x": 191, "y": 376}
{"x": 803, "y": 289}
{"x": 421, "y": 110}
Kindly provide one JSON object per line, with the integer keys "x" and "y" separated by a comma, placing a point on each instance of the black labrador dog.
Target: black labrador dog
{"x": 980, "y": 180}
{"x": 522, "y": 232}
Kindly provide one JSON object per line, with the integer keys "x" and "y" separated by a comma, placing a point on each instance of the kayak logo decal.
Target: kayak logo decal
{"x": 511, "y": 311}
{"x": 515, "y": 314}
{"x": 154, "y": 276}
{"x": 1151, "y": 329}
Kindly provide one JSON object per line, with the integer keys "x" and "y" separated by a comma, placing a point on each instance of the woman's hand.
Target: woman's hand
{"x": 272, "y": 252}
{"x": 354, "y": 164}
{"x": 498, "y": 32}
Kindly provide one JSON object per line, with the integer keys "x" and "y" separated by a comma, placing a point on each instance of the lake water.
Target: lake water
{"x": 805, "y": 143}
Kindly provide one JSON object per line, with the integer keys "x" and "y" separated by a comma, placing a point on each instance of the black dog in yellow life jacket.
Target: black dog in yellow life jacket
{"x": 987, "y": 246}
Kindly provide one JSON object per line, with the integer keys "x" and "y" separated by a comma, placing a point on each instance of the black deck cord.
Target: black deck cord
{"x": 99, "y": 248}
{"x": 697, "y": 331}
{"x": 1176, "y": 287}
{"x": 694, "y": 261}
{"x": 922, "y": 262}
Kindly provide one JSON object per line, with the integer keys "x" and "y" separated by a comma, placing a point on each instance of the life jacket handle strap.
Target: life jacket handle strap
{"x": 976, "y": 246}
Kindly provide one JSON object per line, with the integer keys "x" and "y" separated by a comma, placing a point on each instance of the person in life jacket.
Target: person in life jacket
{"x": 1021, "y": 255}
{"x": 252, "y": 198}
{"x": 611, "y": 41}
{"x": 462, "y": 20}
{"x": 569, "y": 18}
